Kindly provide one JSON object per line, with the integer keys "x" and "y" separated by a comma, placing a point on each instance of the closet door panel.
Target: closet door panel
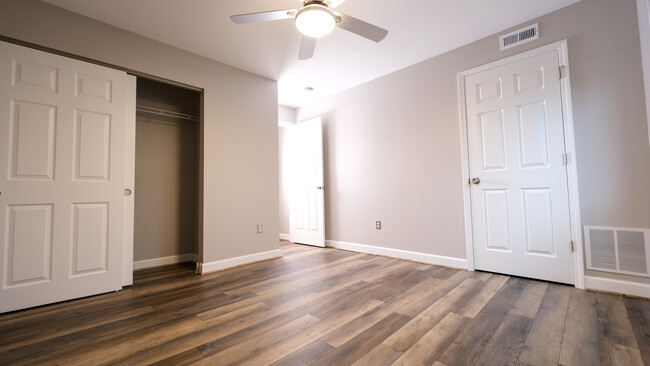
{"x": 62, "y": 126}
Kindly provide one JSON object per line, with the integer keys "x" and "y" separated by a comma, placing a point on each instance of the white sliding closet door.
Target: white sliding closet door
{"x": 62, "y": 162}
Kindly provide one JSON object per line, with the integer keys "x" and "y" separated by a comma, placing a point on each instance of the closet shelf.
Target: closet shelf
{"x": 162, "y": 112}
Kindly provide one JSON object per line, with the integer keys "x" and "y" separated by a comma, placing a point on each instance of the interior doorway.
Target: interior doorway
{"x": 166, "y": 174}
{"x": 521, "y": 193}
{"x": 306, "y": 183}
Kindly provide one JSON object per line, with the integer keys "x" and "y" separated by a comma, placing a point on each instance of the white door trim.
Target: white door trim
{"x": 569, "y": 141}
{"x": 643, "y": 11}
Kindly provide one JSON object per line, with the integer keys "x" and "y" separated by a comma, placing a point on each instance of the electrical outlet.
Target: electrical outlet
{"x": 378, "y": 225}
{"x": 259, "y": 228}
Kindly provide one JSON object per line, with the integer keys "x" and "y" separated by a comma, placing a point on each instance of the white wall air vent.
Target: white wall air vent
{"x": 618, "y": 250}
{"x": 518, "y": 37}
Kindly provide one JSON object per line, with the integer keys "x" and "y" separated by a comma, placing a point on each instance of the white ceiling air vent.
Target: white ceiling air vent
{"x": 518, "y": 37}
{"x": 618, "y": 250}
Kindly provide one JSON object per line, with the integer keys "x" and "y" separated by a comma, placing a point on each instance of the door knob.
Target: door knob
{"x": 475, "y": 180}
{"x": 127, "y": 192}
{"x": 319, "y": 187}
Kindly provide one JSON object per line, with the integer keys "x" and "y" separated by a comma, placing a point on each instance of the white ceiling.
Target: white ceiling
{"x": 417, "y": 30}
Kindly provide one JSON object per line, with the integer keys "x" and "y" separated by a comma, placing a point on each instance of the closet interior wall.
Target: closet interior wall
{"x": 166, "y": 174}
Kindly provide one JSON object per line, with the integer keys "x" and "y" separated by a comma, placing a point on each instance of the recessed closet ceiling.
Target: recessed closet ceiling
{"x": 418, "y": 30}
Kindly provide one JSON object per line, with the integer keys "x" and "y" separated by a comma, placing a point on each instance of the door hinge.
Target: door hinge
{"x": 561, "y": 72}
{"x": 571, "y": 247}
{"x": 565, "y": 159}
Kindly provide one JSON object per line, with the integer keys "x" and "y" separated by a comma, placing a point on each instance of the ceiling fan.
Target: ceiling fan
{"x": 314, "y": 20}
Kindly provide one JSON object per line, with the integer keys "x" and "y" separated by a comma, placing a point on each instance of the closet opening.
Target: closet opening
{"x": 166, "y": 213}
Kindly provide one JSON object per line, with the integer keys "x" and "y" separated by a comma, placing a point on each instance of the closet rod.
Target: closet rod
{"x": 162, "y": 112}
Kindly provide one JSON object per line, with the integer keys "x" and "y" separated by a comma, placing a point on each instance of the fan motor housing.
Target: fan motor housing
{"x": 318, "y": 2}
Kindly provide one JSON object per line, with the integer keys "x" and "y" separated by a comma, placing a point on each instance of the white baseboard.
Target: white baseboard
{"x": 617, "y": 286}
{"x": 238, "y": 261}
{"x": 172, "y": 259}
{"x": 285, "y": 236}
{"x": 437, "y": 260}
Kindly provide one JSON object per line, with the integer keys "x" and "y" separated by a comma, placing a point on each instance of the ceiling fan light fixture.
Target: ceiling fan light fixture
{"x": 315, "y": 20}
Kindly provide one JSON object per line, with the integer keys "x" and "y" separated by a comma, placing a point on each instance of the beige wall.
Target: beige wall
{"x": 166, "y": 167}
{"x": 165, "y": 188}
{"x": 286, "y": 114}
{"x": 392, "y": 145}
{"x": 284, "y": 191}
{"x": 166, "y": 172}
{"x": 239, "y": 127}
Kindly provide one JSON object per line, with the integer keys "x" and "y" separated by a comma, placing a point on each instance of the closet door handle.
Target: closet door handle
{"x": 127, "y": 192}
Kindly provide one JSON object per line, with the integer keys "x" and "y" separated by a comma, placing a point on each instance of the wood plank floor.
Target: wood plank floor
{"x": 332, "y": 307}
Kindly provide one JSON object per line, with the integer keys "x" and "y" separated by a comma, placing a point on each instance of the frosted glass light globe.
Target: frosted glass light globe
{"x": 315, "y": 21}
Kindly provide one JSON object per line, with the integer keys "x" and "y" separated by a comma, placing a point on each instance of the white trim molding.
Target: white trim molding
{"x": 569, "y": 140}
{"x": 285, "y": 236}
{"x": 204, "y": 268}
{"x": 438, "y": 260}
{"x": 172, "y": 259}
{"x": 617, "y": 286}
{"x": 643, "y": 11}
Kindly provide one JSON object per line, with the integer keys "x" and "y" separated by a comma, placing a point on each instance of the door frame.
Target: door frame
{"x": 129, "y": 163}
{"x": 569, "y": 143}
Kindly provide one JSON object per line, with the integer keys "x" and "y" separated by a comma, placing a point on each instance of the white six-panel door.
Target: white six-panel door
{"x": 519, "y": 199}
{"x": 306, "y": 210}
{"x": 61, "y": 177}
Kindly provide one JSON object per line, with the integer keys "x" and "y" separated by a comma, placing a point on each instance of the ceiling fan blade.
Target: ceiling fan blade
{"x": 307, "y": 47}
{"x": 264, "y": 16}
{"x": 335, "y": 3}
{"x": 361, "y": 28}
